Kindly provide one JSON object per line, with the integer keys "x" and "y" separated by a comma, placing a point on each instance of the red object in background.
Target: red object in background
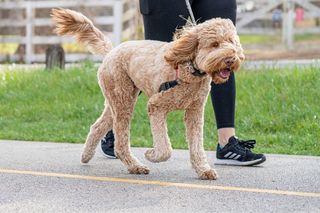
{"x": 299, "y": 14}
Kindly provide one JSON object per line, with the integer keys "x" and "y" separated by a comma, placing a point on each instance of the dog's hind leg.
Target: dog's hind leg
{"x": 194, "y": 132}
{"x": 157, "y": 111}
{"x": 97, "y": 131}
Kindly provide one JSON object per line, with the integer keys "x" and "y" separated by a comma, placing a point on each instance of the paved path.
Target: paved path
{"x": 47, "y": 177}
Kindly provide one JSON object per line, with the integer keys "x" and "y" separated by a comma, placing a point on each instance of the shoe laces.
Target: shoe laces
{"x": 249, "y": 144}
{"x": 105, "y": 140}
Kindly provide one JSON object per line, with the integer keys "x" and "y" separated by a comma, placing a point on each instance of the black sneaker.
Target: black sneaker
{"x": 107, "y": 145}
{"x": 238, "y": 153}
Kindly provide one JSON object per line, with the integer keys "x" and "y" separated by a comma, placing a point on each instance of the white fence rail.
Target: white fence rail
{"x": 116, "y": 20}
{"x": 262, "y": 10}
{"x": 123, "y": 21}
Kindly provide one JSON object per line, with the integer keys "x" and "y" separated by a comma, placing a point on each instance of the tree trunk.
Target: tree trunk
{"x": 55, "y": 57}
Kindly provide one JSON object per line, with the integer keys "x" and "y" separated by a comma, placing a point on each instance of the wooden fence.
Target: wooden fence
{"x": 124, "y": 21}
{"x": 262, "y": 10}
{"x": 122, "y": 12}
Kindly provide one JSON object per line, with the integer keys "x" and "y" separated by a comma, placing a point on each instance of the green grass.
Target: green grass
{"x": 260, "y": 39}
{"x": 11, "y": 48}
{"x": 280, "y": 108}
{"x": 275, "y": 39}
{"x": 307, "y": 37}
{"x": 245, "y": 39}
{"x": 8, "y": 49}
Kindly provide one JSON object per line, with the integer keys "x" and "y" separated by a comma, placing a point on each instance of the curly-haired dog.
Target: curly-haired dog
{"x": 182, "y": 69}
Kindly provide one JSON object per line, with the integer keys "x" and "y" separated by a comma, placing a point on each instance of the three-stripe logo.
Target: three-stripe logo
{"x": 232, "y": 155}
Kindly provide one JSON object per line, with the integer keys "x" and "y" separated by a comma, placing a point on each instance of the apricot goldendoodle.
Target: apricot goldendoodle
{"x": 198, "y": 55}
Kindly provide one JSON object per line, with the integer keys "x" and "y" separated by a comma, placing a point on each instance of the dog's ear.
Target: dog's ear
{"x": 183, "y": 49}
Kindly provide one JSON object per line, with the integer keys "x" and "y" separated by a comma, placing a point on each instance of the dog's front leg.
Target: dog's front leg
{"x": 194, "y": 133}
{"x": 161, "y": 142}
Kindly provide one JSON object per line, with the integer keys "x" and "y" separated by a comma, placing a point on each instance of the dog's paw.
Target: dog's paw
{"x": 86, "y": 157}
{"x": 210, "y": 174}
{"x": 155, "y": 156}
{"x": 138, "y": 170}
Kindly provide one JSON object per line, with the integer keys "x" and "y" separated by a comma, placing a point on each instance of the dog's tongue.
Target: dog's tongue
{"x": 224, "y": 73}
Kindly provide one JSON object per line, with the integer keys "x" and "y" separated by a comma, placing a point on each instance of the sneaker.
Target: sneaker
{"x": 107, "y": 145}
{"x": 238, "y": 153}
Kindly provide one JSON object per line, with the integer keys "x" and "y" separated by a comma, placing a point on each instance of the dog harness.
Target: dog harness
{"x": 170, "y": 84}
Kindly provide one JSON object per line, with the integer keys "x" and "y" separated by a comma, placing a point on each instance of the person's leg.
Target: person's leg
{"x": 162, "y": 18}
{"x": 230, "y": 150}
{"x": 223, "y": 101}
{"x": 222, "y": 95}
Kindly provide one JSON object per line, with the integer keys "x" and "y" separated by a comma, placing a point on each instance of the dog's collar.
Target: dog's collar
{"x": 197, "y": 72}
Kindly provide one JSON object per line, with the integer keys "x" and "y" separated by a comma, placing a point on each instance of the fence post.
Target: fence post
{"x": 288, "y": 24}
{"x": 117, "y": 27}
{"x": 29, "y": 32}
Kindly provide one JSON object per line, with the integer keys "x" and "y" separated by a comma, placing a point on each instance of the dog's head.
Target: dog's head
{"x": 213, "y": 47}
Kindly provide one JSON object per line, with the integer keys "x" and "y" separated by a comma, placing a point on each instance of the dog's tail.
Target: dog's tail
{"x": 69, "y": 22}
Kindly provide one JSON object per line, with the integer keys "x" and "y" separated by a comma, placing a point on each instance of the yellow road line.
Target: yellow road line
{"x": 162, "y": 183}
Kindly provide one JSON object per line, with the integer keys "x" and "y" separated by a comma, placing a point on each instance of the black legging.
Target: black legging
{"x": 162, "y": 17}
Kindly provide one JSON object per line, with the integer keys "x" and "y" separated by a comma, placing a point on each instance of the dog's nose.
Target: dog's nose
{"x": 229, "y": 61}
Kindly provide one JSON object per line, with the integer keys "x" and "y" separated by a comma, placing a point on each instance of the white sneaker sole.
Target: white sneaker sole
{"x": 239, "y": 163}
{"x": 104, "y": 154}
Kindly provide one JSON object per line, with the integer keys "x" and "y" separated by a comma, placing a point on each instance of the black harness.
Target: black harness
{"x": 170, "y": 84}
{"x": 167, "y": 85}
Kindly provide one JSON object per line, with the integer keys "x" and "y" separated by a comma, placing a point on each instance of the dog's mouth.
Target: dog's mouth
{"x": 221, "y": 76}
{"x": 224, "y": 73}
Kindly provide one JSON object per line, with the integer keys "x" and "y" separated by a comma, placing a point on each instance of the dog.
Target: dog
{"x": 174, "y": 75}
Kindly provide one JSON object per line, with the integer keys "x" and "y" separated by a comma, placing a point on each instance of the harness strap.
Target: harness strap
{"x": 168, "y": 85}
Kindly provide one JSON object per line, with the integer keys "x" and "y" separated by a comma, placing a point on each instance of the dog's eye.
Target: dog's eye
{"x": 215, "y": 44}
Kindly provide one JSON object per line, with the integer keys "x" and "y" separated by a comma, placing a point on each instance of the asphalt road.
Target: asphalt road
{"x": 48, "y": 177}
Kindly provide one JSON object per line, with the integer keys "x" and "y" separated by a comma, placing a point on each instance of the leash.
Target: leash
{"x": 190, "y": 12}
{"x": 170, "y": 84}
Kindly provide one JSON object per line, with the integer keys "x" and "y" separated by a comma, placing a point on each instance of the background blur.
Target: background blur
{"x": 269, "y": 29}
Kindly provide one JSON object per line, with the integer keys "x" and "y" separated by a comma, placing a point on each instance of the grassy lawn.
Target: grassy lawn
{"x": 275, "y": 39}
{"x": 8, "y": 48}
{"x": 260, "y": 39}
{"x": 280, "y": 108}
{"x": 11, "y": 48}
{"x": 245, "y": 39}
